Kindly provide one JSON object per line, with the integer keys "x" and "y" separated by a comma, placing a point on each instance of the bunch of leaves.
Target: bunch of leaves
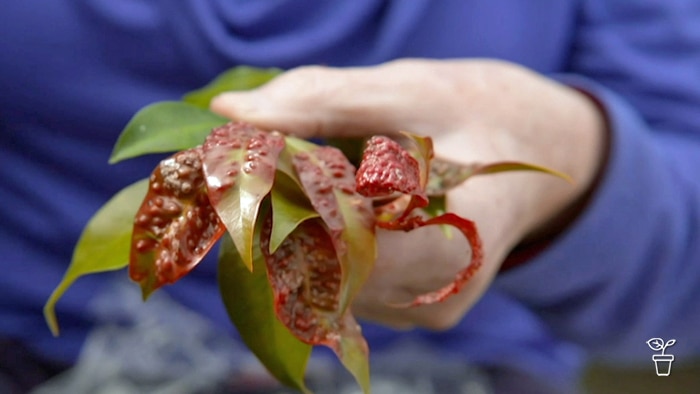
{"x": 296, "y": 219}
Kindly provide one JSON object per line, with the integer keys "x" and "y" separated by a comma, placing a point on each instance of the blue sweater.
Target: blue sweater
{"x": 73, "y": 72}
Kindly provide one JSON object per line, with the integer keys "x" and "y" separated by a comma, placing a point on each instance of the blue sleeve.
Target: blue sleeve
{"x": 628, "y": 269}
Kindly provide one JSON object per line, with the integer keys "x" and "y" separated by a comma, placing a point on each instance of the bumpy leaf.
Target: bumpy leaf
{"x": 239, "y": 164}
{"x": 387, "y": 168}
{"x": 328, "y": 180}
{"x": 307, "y": 283}
{"x": 164, "y": 127}
{"x": 383, "y": 164}
{"x": 103, "y": 245}
{"x": 175, "y": 226}
{"x": 249, "y": 302}
{"x": 239, "y": 78}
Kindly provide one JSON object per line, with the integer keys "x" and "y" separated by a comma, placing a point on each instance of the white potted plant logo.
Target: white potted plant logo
{"x": 663, "y": 361}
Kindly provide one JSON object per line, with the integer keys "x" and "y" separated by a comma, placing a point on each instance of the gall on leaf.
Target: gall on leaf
{"x": 383, "y": 164}
{"x": 239, "y": 162}
{"x": 306, "y": 278}
{"x": 327, "y": 178}
{"x": 389, "y": 167}
{"x": 175, "y": 225}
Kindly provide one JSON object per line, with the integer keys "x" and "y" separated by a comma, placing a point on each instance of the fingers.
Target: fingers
{"x": 414, "y": 263}
{"x": 327, "y": 102}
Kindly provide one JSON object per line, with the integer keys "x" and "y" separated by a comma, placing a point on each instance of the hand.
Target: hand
{"x": 475, "y": 111}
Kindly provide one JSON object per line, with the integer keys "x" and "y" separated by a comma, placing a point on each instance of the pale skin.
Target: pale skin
{"x": 475, "y": 111}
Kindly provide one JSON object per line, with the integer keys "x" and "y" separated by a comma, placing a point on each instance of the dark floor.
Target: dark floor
{"x": 684, "y": 379}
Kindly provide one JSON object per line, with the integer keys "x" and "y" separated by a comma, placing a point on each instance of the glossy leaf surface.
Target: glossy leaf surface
{"x": 328, "y": 180}
{"x": 249, "y": 302}
{"x": 306, "y": 278}
{"x": 290, "y": 207}
{"x": 103, "y": 245}
{"x": 240, "y": 161}
{"x": 175, "y": 226}
{"x": 239, "y": 78}
{"x": 164, "y": 127}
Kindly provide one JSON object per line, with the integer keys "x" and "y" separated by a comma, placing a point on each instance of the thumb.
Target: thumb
{"x": 317, "y": 101}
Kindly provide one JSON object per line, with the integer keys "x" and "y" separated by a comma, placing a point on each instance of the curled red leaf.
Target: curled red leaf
{"x": 386, "y": 168}
{"x": 468, "y": 229}
{"x": 175, "y": 226}
{"x": 328, "y": 180}
{"x": 306, "y": 276}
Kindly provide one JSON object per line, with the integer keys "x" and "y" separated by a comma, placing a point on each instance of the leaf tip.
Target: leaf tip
{"x": 50, "y": 317}
{"x": 114, "y": 159}
{"x": 248, "y": 260}
{"x": 146, "y": 293}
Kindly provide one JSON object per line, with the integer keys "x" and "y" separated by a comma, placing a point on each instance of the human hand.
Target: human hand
{"x": 475, "y": 111}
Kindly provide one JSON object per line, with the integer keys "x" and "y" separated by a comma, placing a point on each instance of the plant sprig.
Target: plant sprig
{"x": 297, "y": 220}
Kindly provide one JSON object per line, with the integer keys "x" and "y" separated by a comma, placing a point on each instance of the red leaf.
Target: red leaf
{"x": 306, "y": 278}
{"x": 239, "y": 164}
{"x": 386, "y": 168}
{"x": 175, "y": 226}
{"x": 466, "y": 227}
{"x": 328, "y": 180}
{"x": 323, "y": 176}
{"x": 305, "y": 275}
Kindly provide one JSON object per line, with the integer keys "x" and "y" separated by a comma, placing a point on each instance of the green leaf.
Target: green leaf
{"x": 249, "y": 302}
{"x": 290, "y": 207}
{"x": 239, "y": 78}
{"x": 352, "y": 147}
{"x": 164, "y": 127}
{"x": 240, "y": 162}
{"x": 446, "y": 174}
{"x": 509, "y": 166}
{"x": 437, "y": 206}
{"x": 103, "y": 245}
{"x": 353, "y": 353}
